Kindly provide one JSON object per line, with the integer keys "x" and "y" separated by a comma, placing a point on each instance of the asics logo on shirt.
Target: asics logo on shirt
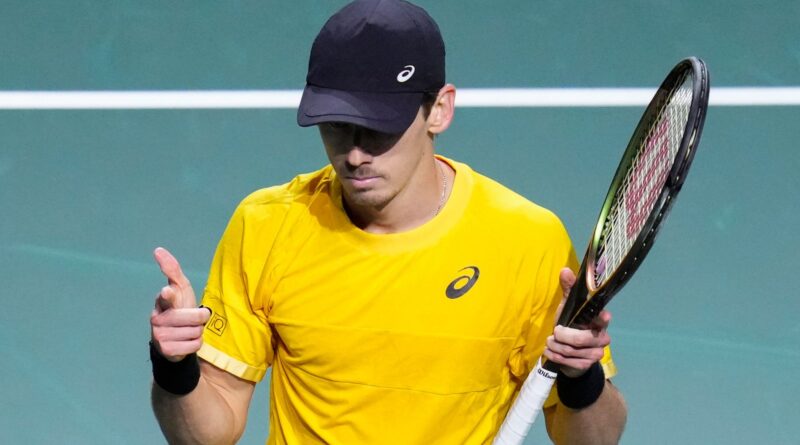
{"x": 462, "y": 284}
{"x": 406, "y": 73}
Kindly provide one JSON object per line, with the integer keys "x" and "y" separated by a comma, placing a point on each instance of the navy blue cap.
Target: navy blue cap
{"x": 371, "y": 64}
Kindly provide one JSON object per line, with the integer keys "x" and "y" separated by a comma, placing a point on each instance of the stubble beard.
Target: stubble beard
{"x": 366, "y": 199}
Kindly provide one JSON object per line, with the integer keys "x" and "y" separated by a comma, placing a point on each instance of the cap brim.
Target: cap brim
{"x": 384, "y": 112}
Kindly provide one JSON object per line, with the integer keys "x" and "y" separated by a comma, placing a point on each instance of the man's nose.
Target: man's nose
{"x": 357, "y": 155}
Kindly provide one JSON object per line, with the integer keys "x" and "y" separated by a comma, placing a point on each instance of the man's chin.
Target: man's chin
{"x": 368, "y": 198}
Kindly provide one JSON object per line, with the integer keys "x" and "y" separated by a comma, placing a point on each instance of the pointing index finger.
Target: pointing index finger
{"x": 171, "y": 268}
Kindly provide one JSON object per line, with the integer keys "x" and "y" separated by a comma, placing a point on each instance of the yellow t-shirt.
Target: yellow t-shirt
{"x": 419, "y": 337}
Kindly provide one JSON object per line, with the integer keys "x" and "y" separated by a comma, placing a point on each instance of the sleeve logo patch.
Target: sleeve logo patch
{"x": 217, "y": 324}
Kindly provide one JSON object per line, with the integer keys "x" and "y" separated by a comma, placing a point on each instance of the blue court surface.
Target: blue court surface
{"x": 705, "y": 336}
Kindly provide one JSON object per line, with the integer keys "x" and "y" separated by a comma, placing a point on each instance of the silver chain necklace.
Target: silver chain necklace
{"x": 444, "y": 187}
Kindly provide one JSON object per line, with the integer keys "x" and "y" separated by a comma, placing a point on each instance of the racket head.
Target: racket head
{"x": 647, "y": 180}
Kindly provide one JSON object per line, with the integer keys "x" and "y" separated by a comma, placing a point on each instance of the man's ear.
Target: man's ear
{"x": 442, "y": 110}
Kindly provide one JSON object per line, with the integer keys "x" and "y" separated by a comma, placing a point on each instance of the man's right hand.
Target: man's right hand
{"x": 176, "y": 323}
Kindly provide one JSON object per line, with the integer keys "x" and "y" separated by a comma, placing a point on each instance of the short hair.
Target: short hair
{"x": 428, "y": 99}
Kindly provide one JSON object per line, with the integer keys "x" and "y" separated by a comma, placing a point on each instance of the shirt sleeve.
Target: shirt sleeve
{"x": 543, "y": 291}
{"x": 546, "y": 296}
{"x": 238, "y": 338}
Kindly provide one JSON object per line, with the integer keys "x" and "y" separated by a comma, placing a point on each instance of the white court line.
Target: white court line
{"x": 465, "y": 97}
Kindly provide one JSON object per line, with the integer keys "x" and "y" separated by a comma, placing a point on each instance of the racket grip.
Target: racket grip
{"x": 526, "y": 407}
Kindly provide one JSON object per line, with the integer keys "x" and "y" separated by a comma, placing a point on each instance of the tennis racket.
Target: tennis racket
{"x": 648, "y": 178}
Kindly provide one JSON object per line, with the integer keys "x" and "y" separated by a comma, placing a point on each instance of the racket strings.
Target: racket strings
{"x": 645, "y": 178}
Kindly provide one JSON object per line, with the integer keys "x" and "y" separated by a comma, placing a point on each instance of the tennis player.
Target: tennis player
{"x": 399, "y": 296}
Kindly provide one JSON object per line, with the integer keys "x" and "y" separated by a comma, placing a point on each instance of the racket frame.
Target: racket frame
{"x": 586, "y": 300}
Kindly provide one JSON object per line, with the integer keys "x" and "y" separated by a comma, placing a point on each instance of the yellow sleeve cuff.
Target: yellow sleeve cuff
{"x": 225, "y": 362}
{"x": 609, "y": 368}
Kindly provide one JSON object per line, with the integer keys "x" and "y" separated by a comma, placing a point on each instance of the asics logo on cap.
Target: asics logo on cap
{"x": 406, "y": 73}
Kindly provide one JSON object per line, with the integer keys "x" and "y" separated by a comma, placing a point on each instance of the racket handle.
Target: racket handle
{"x": 526, "y": 407}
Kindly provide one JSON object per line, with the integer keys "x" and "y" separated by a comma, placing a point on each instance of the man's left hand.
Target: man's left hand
{"x": 577, "y": 349}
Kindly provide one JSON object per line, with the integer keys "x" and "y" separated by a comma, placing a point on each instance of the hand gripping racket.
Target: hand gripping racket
{"x": 648, "y": 178}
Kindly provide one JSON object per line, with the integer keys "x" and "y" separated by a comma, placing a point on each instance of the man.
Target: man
{"x": 400, "y": 297}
